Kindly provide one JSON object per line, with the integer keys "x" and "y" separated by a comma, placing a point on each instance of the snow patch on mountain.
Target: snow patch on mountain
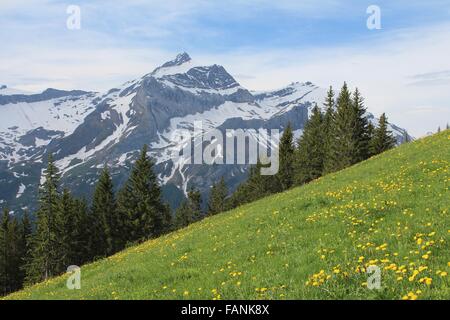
{"x": 22, "y": 188}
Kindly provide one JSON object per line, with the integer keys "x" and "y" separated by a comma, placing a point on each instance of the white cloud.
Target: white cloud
{"x": 381, "y": 67}
{"x": 43, "y": 54}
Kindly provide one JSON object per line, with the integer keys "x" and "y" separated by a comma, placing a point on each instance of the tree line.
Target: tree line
{"x": 332, "y": 140}
{"x": 68, "y": 231}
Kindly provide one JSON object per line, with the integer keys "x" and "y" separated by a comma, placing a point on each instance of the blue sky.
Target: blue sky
{"x": 402, "y": 69}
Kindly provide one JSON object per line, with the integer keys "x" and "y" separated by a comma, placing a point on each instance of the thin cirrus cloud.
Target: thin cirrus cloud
{"x": 265, "y": 44}
{"x": 438, "y": 78}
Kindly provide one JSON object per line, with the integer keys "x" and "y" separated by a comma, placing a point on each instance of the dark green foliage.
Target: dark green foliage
{"x": 342, "y": 147}
{"x": 140, "y": 203}
{"x": 26, "y": 234}
{"x": 77, "y": 227}
{"x": 383, "y": 139}
{"x": 190, "y": 210}
{"x": 217, "y": 198}
{"x": 370, "y": 133}
{"x": 361, "y": 134}
{"x": 13, "y": 246}
{"x": 310, "y": 152}
{"x": 255, "y": 187}
{"x": 105, "y": 223}
{"x": 350, "y": 132}
{"x": 48, "y": 255}
{"x": 286, "y": 153}
{"x": 328, "y": 132}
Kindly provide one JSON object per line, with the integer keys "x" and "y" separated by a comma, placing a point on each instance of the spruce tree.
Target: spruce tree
{"x": 47, "y": 255}
{"x": 75, "y": 229}
{"x": 243, "y": 194}
{"x": 140, "y": 203}
{"x": 25, "y": 244}
{"x": 342, "y": 150}
{"x": 383, "y": 139}
{"x": 286, "y": 155}
{"x": 106, "y": 233}
{"x": 183, "y": 215}
{"x": 361, "y": 130}
{"x": 81, "y": 233}
{"x": 350, "y": 130}
{"x": 12, "y": 254}
{"x": 329, "y": 138}
{"x": 217, "y": 198}
{"x": 4, "y": 252}
{"x": 195, "y": 202}
{"x": 310, "y": 151}
{"x": 189, "y": 211}
{"x": 66, "y": 208}
{"x": 255, "y": 187}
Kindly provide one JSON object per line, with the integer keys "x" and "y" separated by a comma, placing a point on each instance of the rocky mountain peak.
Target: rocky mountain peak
{"x": 172, "y": 66}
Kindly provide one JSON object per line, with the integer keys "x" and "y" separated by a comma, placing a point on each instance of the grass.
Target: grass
{"x": 312, "y": 242}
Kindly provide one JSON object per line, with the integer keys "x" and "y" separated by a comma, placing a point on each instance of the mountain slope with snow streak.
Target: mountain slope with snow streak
{"x": 86, "y": 130}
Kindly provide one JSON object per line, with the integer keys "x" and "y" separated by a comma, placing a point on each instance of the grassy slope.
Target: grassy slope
{"x": 276, "y": 248}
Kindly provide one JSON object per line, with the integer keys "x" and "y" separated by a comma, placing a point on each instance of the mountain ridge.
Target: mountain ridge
{"x": 86, "y": 130}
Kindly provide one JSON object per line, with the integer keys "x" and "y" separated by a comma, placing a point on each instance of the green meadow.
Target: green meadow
{"x": 312, "y": 242}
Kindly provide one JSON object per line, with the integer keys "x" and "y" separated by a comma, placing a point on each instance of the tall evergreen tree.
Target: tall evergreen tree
{"x": 329, "y": 138}
{"x": 350, "y": 130}
{"x": 76, "y": 229}
{"x": 81, "y": 233}
{"x": 190, "y": 210}
{"x": 47, "y": 254}
{"x": 140, "y": 202}
{"x": 107, "y": 231}
{"x": 286, "y": 154}
{"x": 66, "y": 209}
{"x": 383, "y": 139}
{"x": 26, "y": 232}
{"x": 14, "y": 260}
{"x": 310, "y": 152}
{"x": 217, "y": 198}
{"x": 342, "y": 150}
{"x": 255, "y": 187}
{"x": 12, "y": 254}
{"x": 361, "y": 133}
{"x": 4, "y": 252}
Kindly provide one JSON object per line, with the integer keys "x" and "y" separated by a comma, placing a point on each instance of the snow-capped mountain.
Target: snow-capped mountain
{"x": 86, "y": 130}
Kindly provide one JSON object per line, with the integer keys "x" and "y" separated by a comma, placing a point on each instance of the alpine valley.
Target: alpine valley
{"x": 86, "y": 130}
